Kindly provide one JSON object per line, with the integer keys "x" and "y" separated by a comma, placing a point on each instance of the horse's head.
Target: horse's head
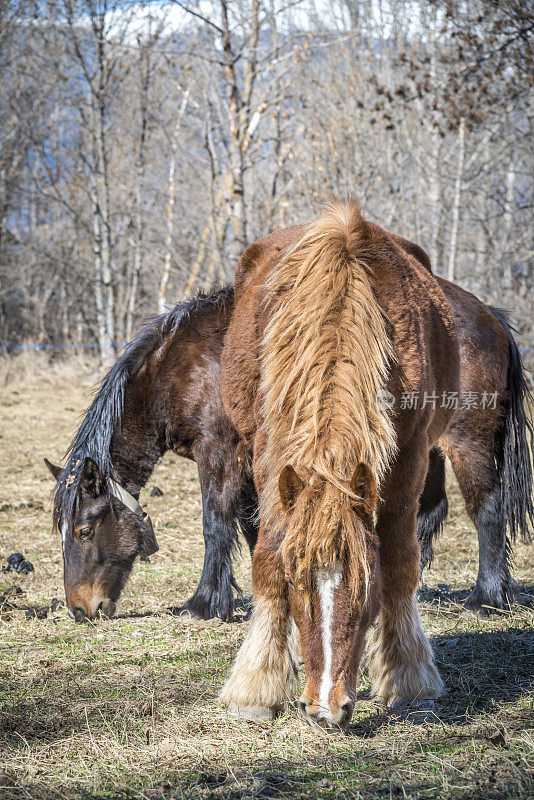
{"x": 102, "y": 533}
{"x": 330, "y": 555}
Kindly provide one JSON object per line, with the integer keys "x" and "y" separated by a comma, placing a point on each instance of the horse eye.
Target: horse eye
{"x": 85, "y": 533}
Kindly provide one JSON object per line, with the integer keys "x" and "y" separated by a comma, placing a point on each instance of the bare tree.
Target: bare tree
{"x": 251, "y": 89}
{"x": 138, "y": 158}
{"x": 171, "y": 193}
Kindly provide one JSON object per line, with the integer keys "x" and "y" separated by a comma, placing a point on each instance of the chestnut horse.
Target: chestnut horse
{"x": 329, "y": 320}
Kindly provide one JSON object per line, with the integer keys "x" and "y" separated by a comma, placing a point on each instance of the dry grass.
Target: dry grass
{"x": 125, "y": 707}
{"x": 47, "y": 366}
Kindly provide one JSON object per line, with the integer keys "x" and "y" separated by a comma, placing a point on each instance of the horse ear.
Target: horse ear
{"x": 363, "y": 484}
{"x": 56, "y": 471}
{"x": 289, "y": 485}
{"x": 91, "y": 479}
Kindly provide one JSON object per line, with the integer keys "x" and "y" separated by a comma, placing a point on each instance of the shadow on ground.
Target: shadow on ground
{"x": 265, "y": 785}
{"x": 444, "y": 596}
{"x": 242, "y": 612}
{"x": 481, "y": 671}
{"x": 291, "y": 781}
{"x": 312, "y": 784}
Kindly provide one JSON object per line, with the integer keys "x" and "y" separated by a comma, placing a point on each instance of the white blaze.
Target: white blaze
{"x": 64, "y": 530}
{"x": 327, "y": 582}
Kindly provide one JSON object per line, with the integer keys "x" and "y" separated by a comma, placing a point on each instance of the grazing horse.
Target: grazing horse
{"x": 162, "y": 394}
{"x": 329, "y": 320}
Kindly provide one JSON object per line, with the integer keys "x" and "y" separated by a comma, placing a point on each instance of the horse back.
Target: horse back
{"x": 412, "y": 249}
{"x": 179, "y": 382}
{"x": 422, "y": 330}
{"x": 419, "y": 321}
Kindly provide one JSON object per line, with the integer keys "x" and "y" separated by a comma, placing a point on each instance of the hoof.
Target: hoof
{"x": 400, "y": 706}
{"x": 252, "y": 713}
{"x": 414, "y": 710}
{"x": 243, "y": 607}
{"x": 485, "y": 604}
{"x": 184, "y": 613}
{"x": 203, "y": 611}
{"x": 481, "y": 609}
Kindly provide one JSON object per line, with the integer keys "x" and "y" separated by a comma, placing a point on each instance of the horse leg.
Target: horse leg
{"x": 247, "y": 512}
{"x": 247, "y": 515}
{"x": 401, "y": 662}
{"x": 478, "y": 478}
{"x": 263, "y": 677}
{"x": 433, "y": 506}
{"x": 220, "y": 496}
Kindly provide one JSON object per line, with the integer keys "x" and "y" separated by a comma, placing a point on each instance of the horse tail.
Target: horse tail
{"x": 325, "y": 358}
{"x": 513, "y": 453}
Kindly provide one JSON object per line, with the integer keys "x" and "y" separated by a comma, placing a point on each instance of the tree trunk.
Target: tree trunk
{"x": 137, "y": 256}
{"x": 239, "y": 236}
{"x": 195, "y": 269}
{"x": 99, "y": 128}
{"x": 456, "y": 201}
{"x": 103, "y": 338}
{"x": 162, "y": 297}
{"x": 139, "y": 217}
{"x": 506, "y": 249}
{"x": 216, "y": 263}
{"x": 64, "y": 313}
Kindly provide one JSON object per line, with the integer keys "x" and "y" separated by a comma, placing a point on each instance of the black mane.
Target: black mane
{"x": 95, "y": 433}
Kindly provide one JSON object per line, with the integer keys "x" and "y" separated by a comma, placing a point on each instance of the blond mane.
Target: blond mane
{"x": 325, "y": 357}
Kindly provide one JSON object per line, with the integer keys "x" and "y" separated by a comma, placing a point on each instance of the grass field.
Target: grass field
{"x": 127, "y": 707}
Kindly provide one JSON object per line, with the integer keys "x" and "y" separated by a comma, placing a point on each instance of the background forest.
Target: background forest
{"x": 143, "y": 145}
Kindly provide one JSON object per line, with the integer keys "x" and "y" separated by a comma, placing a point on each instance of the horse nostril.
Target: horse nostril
{"x": 302, "y": 706}
{"x": 79, "y": 614}
{"x": 109, "y": 608}
{"x": 311, "y": 714}
{"x": 346, "y": 714}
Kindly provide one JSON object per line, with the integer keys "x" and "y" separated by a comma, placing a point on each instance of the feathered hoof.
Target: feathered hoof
{"x": 252, "y": 713}
{"x": 403, "y": 684}
{"x": 501, "y": 598}
{"x": 200, "y": 608}
{"x": 414, "y": 710}
{"x": 405, "y": 706}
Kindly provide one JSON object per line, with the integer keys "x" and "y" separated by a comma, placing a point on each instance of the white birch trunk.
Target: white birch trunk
{"x": 162, "y": 296}
{"x": 103, "y": 340}
{"x": 507, "y": 249}
{"x": 456, "y": 202}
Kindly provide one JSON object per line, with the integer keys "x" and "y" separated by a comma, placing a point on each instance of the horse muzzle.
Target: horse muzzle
{"x": 79, "y": 613}
{"x": 331, "y": 720}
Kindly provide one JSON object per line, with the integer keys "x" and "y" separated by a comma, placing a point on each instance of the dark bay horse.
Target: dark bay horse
{"x": 329, "y": 320}
{"x": 162, "y": 394}
{"x": 498, "y": 436}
